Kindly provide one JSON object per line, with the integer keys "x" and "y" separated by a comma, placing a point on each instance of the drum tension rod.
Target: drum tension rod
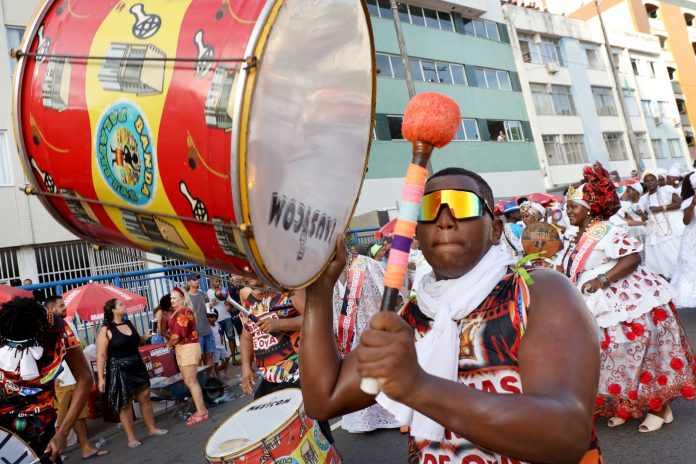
{"x": 29, "y": 189}
{"x": 17, "y": 54}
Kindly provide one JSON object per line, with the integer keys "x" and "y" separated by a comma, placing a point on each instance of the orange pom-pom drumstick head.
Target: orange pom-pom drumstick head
{"x": 432, "y": 118}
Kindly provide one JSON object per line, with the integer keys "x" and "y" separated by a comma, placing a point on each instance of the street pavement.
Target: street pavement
{"x": 674, "y": 443}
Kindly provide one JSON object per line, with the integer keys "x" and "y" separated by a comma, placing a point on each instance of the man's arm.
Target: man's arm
{"x": 558, "y": 359}
{"x": 246, "y": 350}
{"x": 76, "y": 361}
{"x": 330, "y": 387}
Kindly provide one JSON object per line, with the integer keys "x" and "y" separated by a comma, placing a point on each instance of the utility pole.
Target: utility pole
{"x": 404, "y": 58}
{"x": 402, "y": 48}
{"x": 619, "y": 88}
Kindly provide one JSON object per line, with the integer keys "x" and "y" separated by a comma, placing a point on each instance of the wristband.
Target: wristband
{"x": 604, "y": 280}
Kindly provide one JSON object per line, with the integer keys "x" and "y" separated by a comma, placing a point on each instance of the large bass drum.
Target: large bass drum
{"x": 15, "y": 450}
{"x": 230, "y": 134}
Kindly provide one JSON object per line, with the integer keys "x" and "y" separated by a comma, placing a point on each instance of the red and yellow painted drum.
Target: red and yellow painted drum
{"x": 273, "y": 428}
{"x": 231, "y": 134}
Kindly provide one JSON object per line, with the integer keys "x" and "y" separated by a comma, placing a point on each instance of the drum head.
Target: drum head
{"x": 541, "y": 237}
{"x": 13, "y": 449}
{"x": 257, "y": 420}
{"x": 302, "y": 156}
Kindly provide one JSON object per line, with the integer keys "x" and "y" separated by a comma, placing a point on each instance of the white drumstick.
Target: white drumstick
{"x": 246, "y": 312}
{"x": 140, "y": 15}
{"x": 185, "y": 192}
{"x": 36, "y": 166}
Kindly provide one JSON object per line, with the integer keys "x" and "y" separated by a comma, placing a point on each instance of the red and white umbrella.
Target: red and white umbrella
{"x": 7, "y": 293}
{"x": 88, "y": 301}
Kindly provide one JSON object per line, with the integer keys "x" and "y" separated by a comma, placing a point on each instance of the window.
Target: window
{"x": 412, "y": 14}
{"x": 540, "y": 50}
{"x": 642, "y": 144}
{"x": 574, "y": 147}
{"x": 558, "y": 101}
{"x": 675, "y": 150}
{"x": 513, "y": 130}
{"x": 492, "y": 79}
{"x": 430, "y": 71}
{"x": 604, "y": 101}
{"x": 681, "y": 106}
{"x": 630, "y": 102}
{"x": 593, "y": 59}
{"x": 14, "y": 39}
{"x": 5, "y": 165}
{"x": 505, "y": 131}
{"x": 554, "y": 151}
{"x": 570, "y": 151}
{"x": 643, "y": 68}
{"x": 481, "y": 28}
{"x": 615, "y": 146}
{"x": 389, "y": 66}
{"x": 665, "y": 110}
{"x": 657, "y": 148}
{"x": 648, "y": 108}
{"x": 468, "y": 130}
{"x": 395, "y": 122}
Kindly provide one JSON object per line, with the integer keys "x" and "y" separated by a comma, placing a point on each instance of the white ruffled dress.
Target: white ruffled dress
{"x": 662, "y": 233}
{"x": 646, "y": 358}
{"x": 684, "y": 280}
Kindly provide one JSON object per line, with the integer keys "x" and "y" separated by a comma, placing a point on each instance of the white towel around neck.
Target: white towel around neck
{"x": 446, "y": 302}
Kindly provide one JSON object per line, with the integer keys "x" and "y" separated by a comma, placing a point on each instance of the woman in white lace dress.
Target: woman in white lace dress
{"x": 664, "y": 226}
{"x": 684, "y": 280}
{"x": 646, "y": 359}
{"x": 356, "y": 297}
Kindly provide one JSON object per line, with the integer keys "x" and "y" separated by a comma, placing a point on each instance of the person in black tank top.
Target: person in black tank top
{"x": 126, "y": 374}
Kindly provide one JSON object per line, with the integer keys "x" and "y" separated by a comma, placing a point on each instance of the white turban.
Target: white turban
{"x": 530, "y": 206}
{"x": 638, "y": 187}
{"x": 647, "y": 173}
{"x": 675, "y": 170}
{"x": 659, "y": 172}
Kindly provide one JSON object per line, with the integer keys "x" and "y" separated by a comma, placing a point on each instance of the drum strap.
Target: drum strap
{"x": 349, "y": 308}
{"x": 589, "y": 240}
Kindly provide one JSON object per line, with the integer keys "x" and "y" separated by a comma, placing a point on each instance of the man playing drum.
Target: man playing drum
{"x": 33, "y": 344}
{"x": 522, "y": 360}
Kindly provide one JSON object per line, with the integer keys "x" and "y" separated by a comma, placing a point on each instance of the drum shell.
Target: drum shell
{"x": 14, "y": 447}
{"x": 184, "y": 197}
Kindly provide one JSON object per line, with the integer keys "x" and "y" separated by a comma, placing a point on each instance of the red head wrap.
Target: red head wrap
{"x": 600, "y": 192}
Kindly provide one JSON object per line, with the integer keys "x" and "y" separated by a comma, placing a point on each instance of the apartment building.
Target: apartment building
{"x": 462, "y": 49}
{"x": 570, "y": 91}
{"x": 672, "y": 23}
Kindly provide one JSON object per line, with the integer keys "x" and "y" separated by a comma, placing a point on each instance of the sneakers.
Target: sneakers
{"x": 197, "y": 418}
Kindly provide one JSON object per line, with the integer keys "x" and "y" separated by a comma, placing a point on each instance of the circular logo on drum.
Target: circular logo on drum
{"x": 125, "y": 153}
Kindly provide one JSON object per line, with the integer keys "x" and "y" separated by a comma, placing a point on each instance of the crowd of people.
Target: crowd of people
{"x": 505, "y": 337}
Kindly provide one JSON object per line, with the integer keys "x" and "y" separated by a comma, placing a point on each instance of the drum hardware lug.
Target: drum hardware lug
{"x": 246, "y": 229}
{"x": 28, "y": 190}
{"x": 251, "y": 62}
{"x": 16, "y": 53}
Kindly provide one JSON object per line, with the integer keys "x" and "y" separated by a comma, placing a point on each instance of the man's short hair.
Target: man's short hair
{"x": 193, "y": 276}
{"x": 486, "y": 190}
{"x": 51, "y": 300}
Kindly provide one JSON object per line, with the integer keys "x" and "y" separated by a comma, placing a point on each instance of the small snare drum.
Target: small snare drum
{"x": 272, "y": 429}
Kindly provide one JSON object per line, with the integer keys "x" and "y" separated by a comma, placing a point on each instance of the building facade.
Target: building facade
{"x": 462, "y": 49}
{"x": 570, "y": 91}
{"x": 673, "y": 23}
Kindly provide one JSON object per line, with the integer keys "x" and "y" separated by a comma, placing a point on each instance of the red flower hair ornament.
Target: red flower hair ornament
{"x": 599, "y": 192}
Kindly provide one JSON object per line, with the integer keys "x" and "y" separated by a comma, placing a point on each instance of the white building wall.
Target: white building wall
{"x": 574, "y": 36}
{"x": 23, "y": 220}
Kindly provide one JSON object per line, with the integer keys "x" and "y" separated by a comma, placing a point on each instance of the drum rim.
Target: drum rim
{"x": 20, "y": 439}
{"x": 243, "y": 104}
{"x": 257, "y": 443}
{"x": 16, "y": 116}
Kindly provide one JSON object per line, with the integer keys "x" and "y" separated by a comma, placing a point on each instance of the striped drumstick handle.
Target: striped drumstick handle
{"x": 405, "y": 229}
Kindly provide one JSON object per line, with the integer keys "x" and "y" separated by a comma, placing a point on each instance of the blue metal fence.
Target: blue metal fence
{"x": 151, "y": 284}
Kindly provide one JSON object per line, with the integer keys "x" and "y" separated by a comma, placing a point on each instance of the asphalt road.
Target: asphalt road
{"x": 674, "y": 443}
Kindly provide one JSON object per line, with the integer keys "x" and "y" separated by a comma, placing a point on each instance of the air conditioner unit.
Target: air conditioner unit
{"x": 658, "y": 120}
{"x": 552, "y": 68}
{"x": 536, "y": 38}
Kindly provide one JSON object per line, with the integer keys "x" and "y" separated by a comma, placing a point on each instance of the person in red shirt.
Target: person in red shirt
{"x": 27, "y": 390}
{"x": 184, "y": 337}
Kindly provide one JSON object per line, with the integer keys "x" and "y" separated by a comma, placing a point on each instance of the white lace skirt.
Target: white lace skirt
{"x": 684, "y": 280}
